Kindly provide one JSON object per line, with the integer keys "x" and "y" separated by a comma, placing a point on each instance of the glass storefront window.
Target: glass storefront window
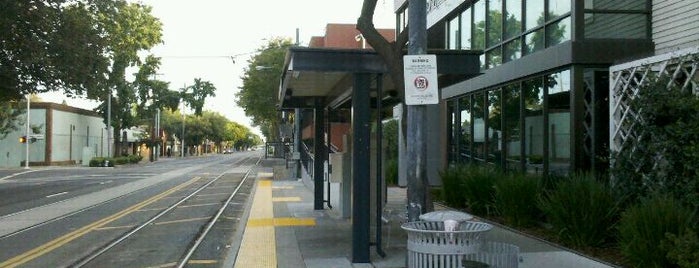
{"x": 558, "y": 8}
{"x": 494, "y": 22}
{"x": 512, "y": 50}
{"x": 479, "y": 25}
{"x": 453, "y": 30}
{"x": 534, "y": 41}
{"x": 495, "y": 127}
{"x": 512, "y": 128}
{"x": 559, "y": 122}
{"x": 558, "y": 32}
{"x": 533, "y": 94}
{"x": 534, "y": 12}
{"x": 479, "y": 146}
{"x": 452, "y": 129}
{"x": 513, "y": 18}
{"x": 466, "y": 29}
{"x": 494, "y": 57}
{"x": 465, "y": 130}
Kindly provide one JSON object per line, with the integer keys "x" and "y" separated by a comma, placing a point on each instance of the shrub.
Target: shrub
{"x": 516, "y": 197}
{"x": 392, "y": 172}
{"x": 453, "y": 186}
{"x": 644, "y": 226}
{"x": 581, "y": 209}
{"x": 479, "y": 188}
{"x": 134, "y": 158}
{"x": 683, "y": 249}
{"x": 664, "y": 150}
{"x": 100, "y": 162}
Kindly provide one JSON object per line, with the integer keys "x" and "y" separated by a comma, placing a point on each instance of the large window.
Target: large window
{"x": 479, "y": 134}
{"x": 452, "y": 129}
{"x": 494, "y": 22}
{"x": 533, "y": 94}
{"x": 534, "y": 14}
{"x": 512, "y": 127}
{"x": 522, "y": 126}
{"x": 495, "y": 126}
{"x": 465, "y": 129}
{"x": 558, "y": 85}
{"x": 534, "y": 41}
{"x": 466, "y": 20}
{"x": 558, "y": 32}
{"x": 479, "y": 25}
{"x": 513, "y": 18}
{"x": 512, "y": 50}
{"x": 453, "y": 37}
{"x": 558, "y": 8}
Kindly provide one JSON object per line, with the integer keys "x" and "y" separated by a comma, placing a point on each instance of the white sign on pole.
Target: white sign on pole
{"x": 420, "y": 72}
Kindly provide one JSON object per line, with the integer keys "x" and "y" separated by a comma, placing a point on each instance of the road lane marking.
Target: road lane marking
{"x": 58, "y": 242}
{"x": 54, "y": 195}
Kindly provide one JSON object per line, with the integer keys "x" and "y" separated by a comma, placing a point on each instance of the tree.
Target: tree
{"x": 196, "y": 94}
{"x": 52, "y": 45}
{"x": 48, "y": 46}
{"x": 10, "y": 119}
{"x": 390, "y": 52}
{"x": 128, "y": 31}
{"x": 258, "y": 95}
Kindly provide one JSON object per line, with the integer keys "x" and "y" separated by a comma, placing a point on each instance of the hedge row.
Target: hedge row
{"x": 111, "y": 161}
{"x": 582, "y": 211}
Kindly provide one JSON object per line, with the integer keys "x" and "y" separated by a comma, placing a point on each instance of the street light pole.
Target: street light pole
{"x": 109, "y": 124}
{"x": 26, "y": 143}
{"x": 182, "y": 138}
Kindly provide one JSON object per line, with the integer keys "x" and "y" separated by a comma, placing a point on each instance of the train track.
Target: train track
{"x": 220, "y": 191}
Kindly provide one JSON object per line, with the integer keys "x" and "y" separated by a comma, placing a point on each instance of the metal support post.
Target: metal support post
{"x": 417, "y": 148}
{"x": 361, "y": 166}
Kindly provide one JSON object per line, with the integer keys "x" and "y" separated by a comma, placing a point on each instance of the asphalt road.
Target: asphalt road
{"x": 55, "y": 217}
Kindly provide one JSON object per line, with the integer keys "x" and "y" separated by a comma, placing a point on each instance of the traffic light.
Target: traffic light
{"x": 23, "y": 139}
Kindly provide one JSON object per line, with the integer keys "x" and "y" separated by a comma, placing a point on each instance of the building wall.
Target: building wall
{"x": 73, "y": 132}
{"x": 65, "y": 132}
{"x": 13, "y": 153}
{"x": 675, "y": 24}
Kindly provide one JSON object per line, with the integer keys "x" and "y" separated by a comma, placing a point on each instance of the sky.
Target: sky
{"x": 200, "y": 37}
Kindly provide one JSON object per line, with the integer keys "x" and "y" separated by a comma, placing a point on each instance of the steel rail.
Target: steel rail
{"x": 85, "y": 260}
{"x": 212, "y": 221}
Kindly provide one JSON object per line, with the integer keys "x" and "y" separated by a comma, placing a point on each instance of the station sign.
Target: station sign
{"x": 420, "y": 73}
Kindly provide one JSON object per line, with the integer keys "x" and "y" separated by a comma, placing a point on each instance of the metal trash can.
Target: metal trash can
{"x": 430, "y": 246}
{"x": 495, "y": 255}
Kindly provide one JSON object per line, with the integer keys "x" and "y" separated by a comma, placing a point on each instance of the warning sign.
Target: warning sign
{"x": 420, "y": 72}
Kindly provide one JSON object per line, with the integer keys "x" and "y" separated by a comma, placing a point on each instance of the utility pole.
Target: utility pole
{"x": 416, "y": 144}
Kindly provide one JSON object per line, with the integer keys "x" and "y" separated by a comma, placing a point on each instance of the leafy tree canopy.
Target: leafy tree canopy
{"x": 258, "y": 95}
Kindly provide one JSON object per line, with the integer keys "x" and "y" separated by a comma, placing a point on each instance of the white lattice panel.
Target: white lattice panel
{"x": 626, "y": 80}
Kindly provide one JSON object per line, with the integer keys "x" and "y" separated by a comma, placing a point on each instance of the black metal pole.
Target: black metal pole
{"x": 380, "y": 179}
{"x": 416, "y": 145}
{"x": 361, "y": 166}
{"x": 320, "y": 154}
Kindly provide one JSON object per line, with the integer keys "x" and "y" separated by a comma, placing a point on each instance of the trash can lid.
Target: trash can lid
{"x": 443, "y": 215}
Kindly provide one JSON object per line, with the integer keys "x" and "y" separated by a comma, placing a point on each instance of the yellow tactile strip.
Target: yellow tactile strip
{"x": 258, "y": 246}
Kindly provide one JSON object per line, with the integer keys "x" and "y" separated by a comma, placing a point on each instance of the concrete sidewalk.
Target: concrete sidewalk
{"x": 327, "y": 243}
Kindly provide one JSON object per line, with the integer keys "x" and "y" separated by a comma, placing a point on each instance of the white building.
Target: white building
{"x": 70, "y": 136}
